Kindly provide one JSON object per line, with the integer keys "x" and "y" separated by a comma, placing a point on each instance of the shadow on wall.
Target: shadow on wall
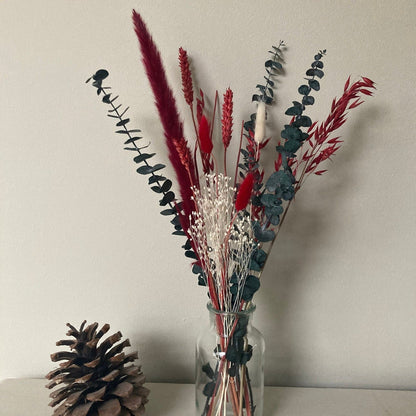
{"x": 162, "y": 362}
{"x": 293, "y": 254}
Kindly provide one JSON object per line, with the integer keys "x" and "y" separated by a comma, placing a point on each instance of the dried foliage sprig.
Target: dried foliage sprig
{"x": 280, "y": 186}
{"x": 321, "y": 144}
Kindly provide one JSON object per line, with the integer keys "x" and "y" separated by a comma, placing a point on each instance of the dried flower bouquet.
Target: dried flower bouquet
{"x": 231, "y": 217}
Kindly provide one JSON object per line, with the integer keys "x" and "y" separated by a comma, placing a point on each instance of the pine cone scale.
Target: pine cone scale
{"x": 96, "y": 396}
{"x": 94, "y": 363}
{"x": 111, "y": 376}
{"x": 81, "y": 410}
{"x": 124, "y": 389}
{"x": 110, "y": 408}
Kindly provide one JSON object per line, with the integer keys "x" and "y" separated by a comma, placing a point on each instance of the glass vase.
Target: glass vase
{"x": 229, "y": 365}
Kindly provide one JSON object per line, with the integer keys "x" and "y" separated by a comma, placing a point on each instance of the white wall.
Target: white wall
{"x": 80, "y": 233}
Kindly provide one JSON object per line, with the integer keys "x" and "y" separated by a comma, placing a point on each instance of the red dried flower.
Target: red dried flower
{"x": 183, "y": 152}
{"x": 205, "y": 141}
{"x": 186, "y": 77}
{"x": 227, "y": 117}
{"x": 244, "y": 193}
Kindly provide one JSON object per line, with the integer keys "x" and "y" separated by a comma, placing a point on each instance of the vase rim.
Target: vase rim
{"x": 249, "y": 311}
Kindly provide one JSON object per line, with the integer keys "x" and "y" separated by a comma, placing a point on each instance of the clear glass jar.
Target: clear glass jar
{"x": 230, "y": 366}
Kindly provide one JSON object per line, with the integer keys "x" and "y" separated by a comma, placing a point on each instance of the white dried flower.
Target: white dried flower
{"x": 222, "y": 238}
{"x": 260, "y": 127}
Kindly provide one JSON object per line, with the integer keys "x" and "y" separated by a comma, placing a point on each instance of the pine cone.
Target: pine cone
{"x": 96, "y": 380}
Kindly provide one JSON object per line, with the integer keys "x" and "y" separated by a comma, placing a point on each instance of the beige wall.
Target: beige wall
{"x": 80, "y": 233}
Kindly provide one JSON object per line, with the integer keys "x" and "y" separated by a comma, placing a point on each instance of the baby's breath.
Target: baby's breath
{"x": 222, "y": 237}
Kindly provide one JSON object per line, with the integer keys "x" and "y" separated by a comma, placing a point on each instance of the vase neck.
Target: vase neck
{"x": 230, "y": 323}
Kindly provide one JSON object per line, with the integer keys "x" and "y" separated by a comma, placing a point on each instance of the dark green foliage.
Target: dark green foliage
{"x": 258, "y": 259}
{"x": 280, "y": 184}
{"x": 209, "y": 389}
{"x": 207, "y": 369}
{"x": 146, "y": 169}
{"x": 143, "y": 156}
{"x": 161, "y": 185}
{"x": 169, "y": 211}
{"x": 262, "y": 235}
{"x": 155, "y": 178}
{"x": 168, "y": 197}
{"x": 314, "y": 84}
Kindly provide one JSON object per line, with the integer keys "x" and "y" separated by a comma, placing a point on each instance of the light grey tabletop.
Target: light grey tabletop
{"x": 29, "y": 397}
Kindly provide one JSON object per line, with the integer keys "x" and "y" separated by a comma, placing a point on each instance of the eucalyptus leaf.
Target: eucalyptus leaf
{"x": 308, "y": 100}
{"x": 156, "y": 178}
{"x": 123, "y": 122}
{"x": 147, "y": 169}
{"x": 293, "y": 111}
{"x": 132, "y": 139}
{"x": 143, "y": 156}
{"x": 156, "y": 189}
{"x": 181, "y": 232}
{"x": 166, "y": 185}
{"x": 276, "y": 179}
{"x": 291, "y": 132}
{"x": 169, "y": 211}
{"x": 314, "y": 84}
{"x": 304, "y": 89}
{"x": 100, "y": 75}
{"x": 128, "y": 131}
{"x": 190, "y": 254}
{"x": 167, "y": 198}
{"x": 263, "y": 236}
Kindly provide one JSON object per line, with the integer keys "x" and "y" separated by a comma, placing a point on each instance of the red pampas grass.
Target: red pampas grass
{"x": 244, "y": 193}
{"x": 168, "y": 113}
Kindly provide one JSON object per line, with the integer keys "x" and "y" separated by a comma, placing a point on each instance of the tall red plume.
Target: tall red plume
{"x": 168, "y": 113}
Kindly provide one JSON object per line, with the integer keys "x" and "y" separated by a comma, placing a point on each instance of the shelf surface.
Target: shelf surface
{"x": 29, "y": 397}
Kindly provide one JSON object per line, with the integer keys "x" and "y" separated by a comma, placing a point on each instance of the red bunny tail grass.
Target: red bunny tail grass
{"x": 205, "y": 142}
{"x": 166, "y": 106}
{"x": 227, "y": 117}
{"x": 187, "y": 88}
{"x": 244, "y": 193}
